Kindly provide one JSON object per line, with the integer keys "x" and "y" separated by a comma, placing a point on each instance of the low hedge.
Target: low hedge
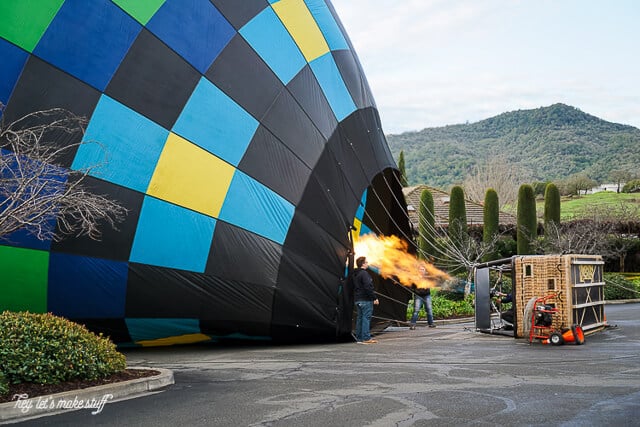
{"x": 444, "y": 307}
{"x": 46, "y": 349}
{"x": 618, "y": 286}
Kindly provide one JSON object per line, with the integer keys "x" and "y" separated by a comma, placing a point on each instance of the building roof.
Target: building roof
{"x": 474, "y": 210}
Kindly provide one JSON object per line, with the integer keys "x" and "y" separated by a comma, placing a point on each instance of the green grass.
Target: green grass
{"x": 605, "y": 202}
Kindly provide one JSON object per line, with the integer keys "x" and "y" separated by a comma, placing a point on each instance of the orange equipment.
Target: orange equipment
{"x": 541, "y": 325}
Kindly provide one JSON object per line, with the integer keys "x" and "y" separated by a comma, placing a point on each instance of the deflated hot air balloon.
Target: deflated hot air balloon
{"x": 244, "y": 141}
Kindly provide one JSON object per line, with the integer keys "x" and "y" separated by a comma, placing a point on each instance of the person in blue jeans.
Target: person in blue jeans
{"x": 365, "y": 298}
{"x": 421, "y": 296}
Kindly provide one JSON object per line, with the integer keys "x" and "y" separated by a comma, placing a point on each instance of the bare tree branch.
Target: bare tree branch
{"x": 36, "y": 193}
{"x": 499, "y": 173}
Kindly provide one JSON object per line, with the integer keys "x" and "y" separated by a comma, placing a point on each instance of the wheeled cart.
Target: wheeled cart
{"x": 542, "y": 320}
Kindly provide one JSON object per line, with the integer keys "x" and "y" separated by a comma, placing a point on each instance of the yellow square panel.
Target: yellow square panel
{"x": 357, "y": 224}
{"x": 191, "y": 177}
{"x": 295, "y": 15}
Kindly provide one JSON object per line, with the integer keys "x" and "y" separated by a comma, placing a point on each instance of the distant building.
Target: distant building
{"x": 474, "y": 210}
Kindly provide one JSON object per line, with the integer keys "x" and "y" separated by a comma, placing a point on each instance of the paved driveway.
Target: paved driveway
{"x": 445, "y": 376}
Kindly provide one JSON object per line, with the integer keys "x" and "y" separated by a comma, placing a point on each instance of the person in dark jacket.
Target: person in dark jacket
{"x": 365, "y": 298}
{"x": 421, "y": 296}
{"x": 506, "y": 315}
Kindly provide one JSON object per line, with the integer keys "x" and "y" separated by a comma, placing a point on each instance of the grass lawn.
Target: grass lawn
{"x": 614, "y": 204}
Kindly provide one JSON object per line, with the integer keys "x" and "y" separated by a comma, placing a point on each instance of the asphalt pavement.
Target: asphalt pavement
{"x": 445, "y": 376}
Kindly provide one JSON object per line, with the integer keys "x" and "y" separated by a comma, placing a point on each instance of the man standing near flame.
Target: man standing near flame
{"x": 365, "y": 298}
{"x": 421, "y": 296}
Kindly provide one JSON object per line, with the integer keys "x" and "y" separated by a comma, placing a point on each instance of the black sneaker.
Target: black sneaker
{"x": 432, "y": 325}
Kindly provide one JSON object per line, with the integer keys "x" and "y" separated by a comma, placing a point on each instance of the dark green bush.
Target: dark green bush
{"x": 46, "y": 349}
{"x": 4, "y": 385}
{"x": 618, "y": 286}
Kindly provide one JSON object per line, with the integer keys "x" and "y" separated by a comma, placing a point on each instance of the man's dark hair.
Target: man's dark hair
{"x": 360, "y": 260}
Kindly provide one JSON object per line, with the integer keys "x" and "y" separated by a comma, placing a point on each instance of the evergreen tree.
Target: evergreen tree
{"x": 527, "y": 228}
{"x": 491, "y": 220}
{"x": 426, "y": 239}
{"x": 403, "y": 172}
{"x": 551, "y": 207}
{"x": 457, "y": 215}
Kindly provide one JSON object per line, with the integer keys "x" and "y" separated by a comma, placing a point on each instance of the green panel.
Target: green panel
{"x": 23, "y": 279}
{"x": 23, "y": 22}
{"x": 142, "y": 11}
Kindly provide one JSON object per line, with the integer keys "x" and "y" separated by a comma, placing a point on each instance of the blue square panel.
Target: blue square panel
{"x": 327, "y": 23}
{"x": 330, "y": 80}
{"x": 172, "y": 236}
{"x": 193, "y": 28}
{"x": 83, "y": 287}
{"x": 278, "y": 50}
{"x": 216, "y": 123}
{"x": 88, "y": 39}
{"x": 254, "y": 207}
{"x": 13, "y": 60}
{"x": 121, "y": 146}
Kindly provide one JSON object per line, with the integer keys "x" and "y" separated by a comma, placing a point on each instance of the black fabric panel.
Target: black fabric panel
{"x": 378, "y": 140}
{"x": 237, "y": 254}
{"x": 331, "y": 177}
{"x": 353, "y": 78}
{"x": 345, "y": 157}
{"x": 308, "y": 240}
{"x": 305, "y": 89}
{"x": 271, "y": 163}
{"x": 42, "y": 87}
{"x": 230, "y": 328}
{"x": 153, "y": 80}
{"x": 157, "y": 292}
{"x": 239, "y": 13}
{"x": 319, "y": 206}
{"x": 393, "y": 303}
{"x": 355, "y": 131}
{"x": 115, "y": 329}
{"x": 243, "y": 75}
{"x": 290, "y": 124}
{"x": 386, "y": 208}
{"x": 305, "y": 304}
{"x": 114, "y": 244}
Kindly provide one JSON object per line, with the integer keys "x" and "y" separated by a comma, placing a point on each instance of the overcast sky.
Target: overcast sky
{"x": 438, "y": 62}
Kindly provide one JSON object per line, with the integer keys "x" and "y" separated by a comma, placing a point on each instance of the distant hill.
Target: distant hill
{"x": 546, "y": 143}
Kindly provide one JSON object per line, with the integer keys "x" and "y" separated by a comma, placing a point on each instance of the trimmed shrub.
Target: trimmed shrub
{"x": 551, "y": 207}
{"x": 491, "y": 220}
{"x": 427, "y": 237}
{"x": 458, "y": 230}
{"x": 401, "y": 168}
{"x": 46, "y": 349}
{"x": 527, "y": 220}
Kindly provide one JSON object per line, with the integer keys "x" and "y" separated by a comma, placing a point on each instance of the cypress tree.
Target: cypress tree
{"x": 403, "y": 172}
{"x": 527, "y": 229}
{"x": 551, "y": 207}
{"x": 491, "y": 220}
{"x": 457, "y": 215}
{"x": 426, "y": 239}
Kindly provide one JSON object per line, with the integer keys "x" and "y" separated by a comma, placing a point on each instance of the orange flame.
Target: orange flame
{"x": 389, "y": 255}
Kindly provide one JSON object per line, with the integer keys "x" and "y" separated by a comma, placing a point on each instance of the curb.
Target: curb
{"x": 91, "y": 398}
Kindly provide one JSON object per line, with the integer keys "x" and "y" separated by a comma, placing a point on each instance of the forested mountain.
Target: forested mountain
{"x": 547, "y": 143}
